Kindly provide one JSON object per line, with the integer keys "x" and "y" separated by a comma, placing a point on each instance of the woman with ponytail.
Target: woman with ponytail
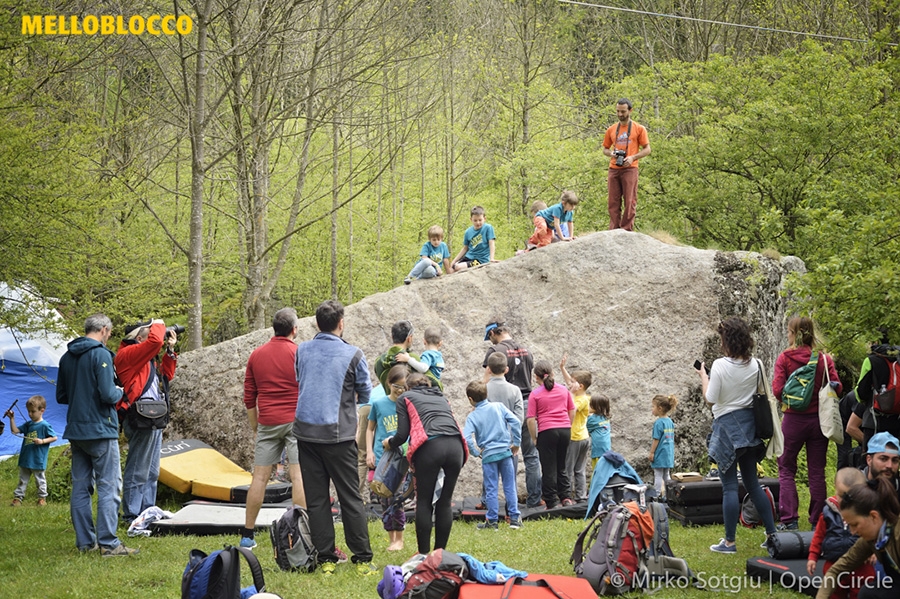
{"x": 550, "y": 412}
{"x": 871, "y": 511}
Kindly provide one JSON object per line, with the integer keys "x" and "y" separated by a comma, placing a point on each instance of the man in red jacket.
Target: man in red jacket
{"x": 143, "y": 376}
{"x": 270, "y": 396}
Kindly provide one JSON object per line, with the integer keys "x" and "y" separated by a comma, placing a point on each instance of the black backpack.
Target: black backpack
{"x": 218, "y": 575}
{"x": 292, "y": 541}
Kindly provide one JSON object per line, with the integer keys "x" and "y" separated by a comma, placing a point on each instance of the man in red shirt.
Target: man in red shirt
{"x": 270, "y": 396}
{"x": 625, "y": 143}
{"x": 143, "y": 376}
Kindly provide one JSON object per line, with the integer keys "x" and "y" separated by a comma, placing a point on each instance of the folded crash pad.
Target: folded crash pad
{"x": 206, "y": 518}
{"x": 709, "y": 492}
{"x": 192, "y": 466}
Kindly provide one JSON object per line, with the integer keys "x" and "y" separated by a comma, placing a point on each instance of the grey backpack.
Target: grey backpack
{"x": 292, "y": 541}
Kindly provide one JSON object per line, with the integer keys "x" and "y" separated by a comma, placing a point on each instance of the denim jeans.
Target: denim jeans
{"x": 529, "y": 455}
{"x": 141, "y": 471}
{"x": 424, "y": 269}
{"x": 800, "y": 430}
{"x": 95, "y": 462}
{"x": 492, "y": 472}
{"x": 731, "y": 503}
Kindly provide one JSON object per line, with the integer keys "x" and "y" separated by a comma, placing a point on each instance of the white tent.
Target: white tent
{"x": 29, "y": 363}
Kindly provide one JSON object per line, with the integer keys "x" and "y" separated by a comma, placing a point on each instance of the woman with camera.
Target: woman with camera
{"x": 729, "y": 388}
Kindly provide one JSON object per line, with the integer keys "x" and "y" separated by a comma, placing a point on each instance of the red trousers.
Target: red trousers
{"x": 623, "y": 184}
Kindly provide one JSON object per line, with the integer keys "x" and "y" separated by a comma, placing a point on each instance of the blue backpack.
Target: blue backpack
{"x": 218, "y": 575}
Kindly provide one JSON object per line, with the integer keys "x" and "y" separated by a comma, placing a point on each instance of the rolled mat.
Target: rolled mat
{"x": 789, "y": 544}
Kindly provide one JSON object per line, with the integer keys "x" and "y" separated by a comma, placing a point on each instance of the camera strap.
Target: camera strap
{"x": 627, "y": 135}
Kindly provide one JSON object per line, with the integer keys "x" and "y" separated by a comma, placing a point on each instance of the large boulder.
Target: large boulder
{"x": 634, "y": 311}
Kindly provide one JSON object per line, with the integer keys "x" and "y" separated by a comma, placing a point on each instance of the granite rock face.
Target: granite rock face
{"x": 632, "y": 310}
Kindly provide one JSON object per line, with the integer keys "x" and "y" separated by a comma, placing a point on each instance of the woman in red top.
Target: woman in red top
{"x": 801, "y": 427}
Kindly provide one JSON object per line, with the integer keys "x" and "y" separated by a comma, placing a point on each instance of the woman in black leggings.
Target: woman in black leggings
{"x": 435, "y": 443}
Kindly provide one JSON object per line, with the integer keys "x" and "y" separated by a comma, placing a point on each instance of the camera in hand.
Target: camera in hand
{"x": 175, "y": 328}
{"x": 620, "y": 157}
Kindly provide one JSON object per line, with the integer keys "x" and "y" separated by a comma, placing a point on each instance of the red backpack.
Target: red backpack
{"x": 438, "y": 576}
{"x": 886, "y": 396}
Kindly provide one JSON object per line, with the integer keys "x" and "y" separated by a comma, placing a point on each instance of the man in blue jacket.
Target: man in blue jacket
{"x": 86, "y": 383}
{"x": 333, "y": 377}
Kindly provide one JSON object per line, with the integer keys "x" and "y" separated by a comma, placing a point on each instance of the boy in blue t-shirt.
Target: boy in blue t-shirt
{"x": 478, "y": 243}
{"x": 598, "y": 428}
{"x": 559, "y": 217}
{"x": 38, "y": 435}
{"x": 494, "y": 433}
{"x": 662, "y": 450}
{"x": 431, "y": 362}
{"x": 434, "y": 257}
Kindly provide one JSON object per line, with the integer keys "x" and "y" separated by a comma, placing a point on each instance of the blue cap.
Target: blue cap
{"x": 488, "y": 329}
{"x": 879, "y": 444}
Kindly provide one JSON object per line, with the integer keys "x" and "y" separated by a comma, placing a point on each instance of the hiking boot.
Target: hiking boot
{"x": 327, "y": 568}
{"x": 480, "y": 506}
{"x": 787, "y": 526}
{"x": 16, "y": 502}
{"x": 567, "y": 502}
{"x": 721, "y": 547}
{"x": 515, "y": 524}
{"x": 366, "y": 569}
{"x": 248, "y": 542}
{"x": 42, "y": 501}
{"x": 407, "y": 281}
{"x": 341, "y": 556}
{"x": 118, "y": 551}
{"x": 487, "y": 525}
{"x": 89, "y": 548}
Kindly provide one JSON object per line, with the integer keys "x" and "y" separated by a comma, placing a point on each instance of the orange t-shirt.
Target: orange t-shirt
{"x": 630, "y": 143}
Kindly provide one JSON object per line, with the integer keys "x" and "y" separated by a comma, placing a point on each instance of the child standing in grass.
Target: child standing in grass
{"x": 478, "y": 243}
{"x": 383, "y": 424}
{"x": 598, "y": 428}
{"x": 580, "y": 440}
{"x": 37, "y": 434}
{"x": 434, "y": 257}
{"x": 662, "y": 450}
{"x": 494, "y": 433}
{"x": 832, "y": 537}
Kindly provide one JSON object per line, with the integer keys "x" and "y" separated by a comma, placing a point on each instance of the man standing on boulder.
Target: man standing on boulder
{"x": 519, "y": 374}
{"x": 625, "y": 143}
{"x": 86, "y": 383}
{"x": 270, "y": 396}
{"x": 333, "y": 377}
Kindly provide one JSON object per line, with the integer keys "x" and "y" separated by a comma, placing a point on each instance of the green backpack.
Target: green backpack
{"x": 798, "y": 390}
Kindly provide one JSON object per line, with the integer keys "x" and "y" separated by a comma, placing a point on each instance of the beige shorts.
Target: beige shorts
{"x": 271, "y": 441}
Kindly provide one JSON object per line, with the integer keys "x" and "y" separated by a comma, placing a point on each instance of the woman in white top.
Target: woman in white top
{"x": 729, "y": 389}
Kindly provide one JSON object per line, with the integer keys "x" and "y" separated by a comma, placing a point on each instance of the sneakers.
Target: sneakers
{"x": 248, "y": 543}
{"x": 342, "y": 557}
{"x": 515, "y": 524}
{"x": 721, "y": 547}
{"x": 42, "y": 501}
{"x": 366, "y": 569}
{"x": 118, "y": 551}
{"x": 487, "y": 525}
{"x": 89, "y": 548}
{"x": 787, "y": 526}
{"x": 16, "y": 502}
{"x": 407, "y": 281}
{"x": 327, "y": 568}
{"x": 567, "y": 502}
{"x": 713, "y": 474}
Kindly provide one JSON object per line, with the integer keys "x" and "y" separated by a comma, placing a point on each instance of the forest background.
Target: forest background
{"x": 287, "y": 151}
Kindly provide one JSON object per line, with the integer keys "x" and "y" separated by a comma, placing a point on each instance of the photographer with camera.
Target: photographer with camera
{"x": 144, "y": 408}
{"x": 625, "y": 143}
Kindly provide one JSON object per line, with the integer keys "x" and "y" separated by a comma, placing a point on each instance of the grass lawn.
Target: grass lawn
{"x": 39, "y": 555}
